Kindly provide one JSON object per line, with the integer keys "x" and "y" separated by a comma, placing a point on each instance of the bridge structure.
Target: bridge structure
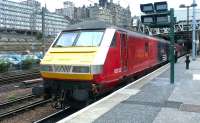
{"x": 183, "y": 35}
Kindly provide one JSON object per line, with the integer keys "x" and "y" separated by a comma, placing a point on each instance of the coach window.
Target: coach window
{"x": 113, "y": 43}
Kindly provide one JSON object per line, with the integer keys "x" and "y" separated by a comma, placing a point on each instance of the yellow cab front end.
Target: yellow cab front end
{"x": 73, "y": 63}
{"x": 71, "y": 55}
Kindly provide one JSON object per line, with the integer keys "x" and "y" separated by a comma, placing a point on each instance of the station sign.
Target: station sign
{"x": 147, "y": 19}
{"x": 161, "y": 6}
{"x": 147, "y": 8}
{"x": 156, "y": 15}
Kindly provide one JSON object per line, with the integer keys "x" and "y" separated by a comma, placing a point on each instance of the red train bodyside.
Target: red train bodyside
{"x": 129, "y": 53}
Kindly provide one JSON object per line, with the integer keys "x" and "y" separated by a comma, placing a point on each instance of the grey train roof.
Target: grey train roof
{"x": 94, "y": 24}
{"x": 89, "y": 25}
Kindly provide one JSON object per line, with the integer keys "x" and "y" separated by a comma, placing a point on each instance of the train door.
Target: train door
{"x": 124, "y": 51}
{"x": 146, "y": 49}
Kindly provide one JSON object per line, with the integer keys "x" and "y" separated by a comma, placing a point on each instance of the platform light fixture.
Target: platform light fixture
{"x": 193, "y": 27}
{"x": 147, "y": 8}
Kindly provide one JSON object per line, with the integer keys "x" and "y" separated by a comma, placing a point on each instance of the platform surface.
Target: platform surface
{"x": 153, "y": 101}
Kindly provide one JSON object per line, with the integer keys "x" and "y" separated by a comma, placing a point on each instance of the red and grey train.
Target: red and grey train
{"x": 84, "y": 62}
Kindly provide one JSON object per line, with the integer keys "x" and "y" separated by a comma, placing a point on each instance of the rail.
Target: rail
{"x": 12, "y": 77}
{"x": 23, "y": 108}
{"x": 57, "y": 116}
{"x": 10, "y": 102}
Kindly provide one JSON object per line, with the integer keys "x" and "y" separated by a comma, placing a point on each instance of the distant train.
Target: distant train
{"x": 84, "y": 62}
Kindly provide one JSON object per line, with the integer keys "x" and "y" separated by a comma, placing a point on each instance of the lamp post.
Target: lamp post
{"x": 43, "y": 29}
{"x": 193, "y": 21}
{"x": 188, "y": 7}
{"x": 193, "y": 31}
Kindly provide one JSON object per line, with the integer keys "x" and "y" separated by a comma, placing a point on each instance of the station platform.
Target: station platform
{"x": 151, "y": 99}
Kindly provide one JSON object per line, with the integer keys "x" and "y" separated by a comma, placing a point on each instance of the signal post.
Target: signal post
{"x": 157, "y": 15}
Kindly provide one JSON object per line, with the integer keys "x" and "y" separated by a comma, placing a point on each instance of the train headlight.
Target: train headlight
{"x": 96, "y": 69}
{"x": 81, "y": 69}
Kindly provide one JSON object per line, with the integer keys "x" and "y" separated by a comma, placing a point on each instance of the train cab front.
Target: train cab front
{"x": 73, "y": 64}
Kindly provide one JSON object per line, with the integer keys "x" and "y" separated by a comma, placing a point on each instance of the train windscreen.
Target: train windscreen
{"x": 87, "y": 38}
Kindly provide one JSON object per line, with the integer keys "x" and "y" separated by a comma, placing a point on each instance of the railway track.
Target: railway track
{"x": 16, "y": 110}
{"x": 57, "y": 116}
{"x": 17, "y": 100}
{"x": 18, "y": 76}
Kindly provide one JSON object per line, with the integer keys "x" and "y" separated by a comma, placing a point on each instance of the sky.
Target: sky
{"x": 134, "y": 4}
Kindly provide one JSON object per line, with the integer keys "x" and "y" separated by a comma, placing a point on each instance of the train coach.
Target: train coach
{"x": 84, "y": 62}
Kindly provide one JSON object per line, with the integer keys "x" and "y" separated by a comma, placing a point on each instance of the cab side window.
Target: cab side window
{"x": 113, "y": 43}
